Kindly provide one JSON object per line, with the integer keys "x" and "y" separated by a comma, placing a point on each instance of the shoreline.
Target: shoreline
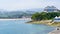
{"x": 55, "y": 31}
{"x": 16, "y": 19}
{"x": 48, "y": 22}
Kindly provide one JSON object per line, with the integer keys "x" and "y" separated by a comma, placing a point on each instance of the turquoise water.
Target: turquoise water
{"x": 20, "y": 27}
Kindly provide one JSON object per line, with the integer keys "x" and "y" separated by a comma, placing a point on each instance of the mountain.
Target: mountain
{"x": 18, "y": 14}
{"x": 36, "y": 9}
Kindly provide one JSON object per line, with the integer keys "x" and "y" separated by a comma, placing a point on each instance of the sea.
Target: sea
{"x": 21, "y": 27}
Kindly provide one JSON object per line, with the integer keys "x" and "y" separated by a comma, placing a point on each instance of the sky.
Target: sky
{"x": 27, "y": 4}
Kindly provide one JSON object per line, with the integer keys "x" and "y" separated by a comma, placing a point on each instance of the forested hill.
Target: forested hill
{"x": 15, "y": 14}
{"x": 45, "y": 15}
{"x": 18, "y": 13}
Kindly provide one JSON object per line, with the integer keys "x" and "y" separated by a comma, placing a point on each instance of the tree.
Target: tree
{"x": 45, "y": 16}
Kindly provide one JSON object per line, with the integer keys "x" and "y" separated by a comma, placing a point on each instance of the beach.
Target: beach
{"x": 55, "y": 32}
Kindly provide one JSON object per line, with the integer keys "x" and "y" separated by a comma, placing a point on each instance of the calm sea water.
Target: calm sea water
{"x": 20, "y": 27}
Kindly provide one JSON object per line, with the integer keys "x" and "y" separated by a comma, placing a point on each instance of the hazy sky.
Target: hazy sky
{"x": 27, "y": 4}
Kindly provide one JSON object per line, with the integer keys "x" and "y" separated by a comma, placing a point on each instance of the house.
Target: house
{"x": 50, "y": 9}
{"x": 56, "y": 19}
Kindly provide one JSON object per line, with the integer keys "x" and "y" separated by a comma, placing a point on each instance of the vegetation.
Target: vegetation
{"x": 45, "y": 16}
{"x": 14, "y": 14}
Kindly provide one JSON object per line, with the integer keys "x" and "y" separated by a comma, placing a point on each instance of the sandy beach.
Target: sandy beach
{"x": 55, "y": 32}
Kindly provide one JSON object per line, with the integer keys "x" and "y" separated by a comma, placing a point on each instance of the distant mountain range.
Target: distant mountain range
{"x": 35, "y": 10}
{"x": 18, "y": 14}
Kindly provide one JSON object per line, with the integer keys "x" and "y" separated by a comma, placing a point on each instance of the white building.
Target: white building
{"x": 56, "y": 19}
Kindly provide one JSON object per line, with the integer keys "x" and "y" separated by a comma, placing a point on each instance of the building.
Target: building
{"x": 56, "y": 19}
{"x": 50, "y": 9}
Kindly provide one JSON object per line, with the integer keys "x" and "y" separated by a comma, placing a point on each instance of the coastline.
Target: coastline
{"x": 48, "y": 22}
{"x": 55, "y": 31}
{"x": 17, "y": 19}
